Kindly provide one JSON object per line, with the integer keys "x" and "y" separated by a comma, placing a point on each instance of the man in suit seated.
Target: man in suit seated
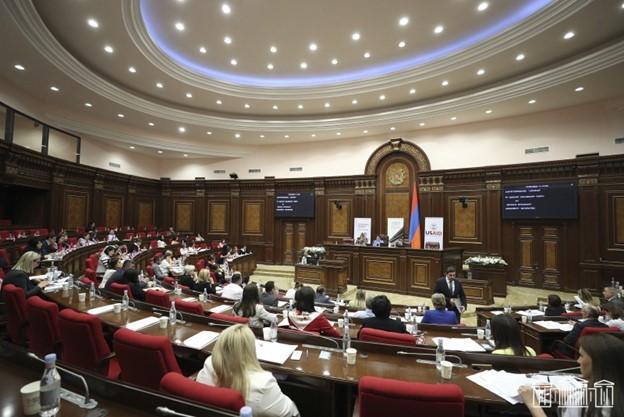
{"x": 453, "y": 291}
{"x": 321, "y": 297}
{"x": 270, "y": 294}
{"x": 439, "y": 314}
{"x": 591, "y": 314}
{"x": 609, "y": 294}
{"x": 234, "y": 290}
{"x": 381, "y": 307}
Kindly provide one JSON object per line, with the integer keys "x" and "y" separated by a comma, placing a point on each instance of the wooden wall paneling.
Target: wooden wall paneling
{"x": 551, "y": 271}
{"x": 184, "y": 214}
{"x": 320, "y": 232}
{"x": 113, "y": 211}
{"x": 379, "y": 272}
{"x": 199, "y": 223}
{"x": 614, "y": 247}
{"x": 465, "y": 224}
{"x": 75, "y": 208}
{"x": 235, "y": 213}
{"x": 164, "y": 209}
{"x": 269, "y": 222}
{"x": 218, "y": 218}
{"x": 492, "y": 215}
{"x": 130, "y": 212}
{"x": 340, "y": 217}
{"x": 526, "y": 252}
{"x": 55, "y": 198}
{"x": 288, "y": 239}
{"x": 145, "y": 213}
{"x": 252, "y": 218}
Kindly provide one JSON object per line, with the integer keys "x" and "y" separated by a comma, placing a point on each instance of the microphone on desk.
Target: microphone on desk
{"x": 88, "y": 403}
{"x": 165, "y": 411}
{"x": 555, "y": 371}
{"x": 446, "y": 356}
{"x": 322, "y": 337}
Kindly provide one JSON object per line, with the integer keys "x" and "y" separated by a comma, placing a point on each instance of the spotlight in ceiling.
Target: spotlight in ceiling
{"x": 19, "y": 67}
{"x": 532, "y": 101}
{"x": 120, "y": 115}
{"x": 159, "y": 85}
{"x": 403, "y": 21}
{"x": 189, "y": 95}
{"x": 132, "y": 70}
{"x": 483, "y": 6}
{"x": 334, "y": 61}
{"x": 382, "y": 97}
{"x": 202, "y": 50}
{"x": 313, "y": 47}
{"x": 481, "y": 71}
{"x": 270, "y": 66}
{"x": 438, "y": 29}
{"x": 568, "y": 35}
{"x": 412, "y": 91}
{"x": 180, "y": 26}
{"x": 227, "y": 40}
{"x": 88, "y": 105}
{"x": 273, "y": 49}
{"x": 182, "y": 129}
{"x": 109, "y": 49}
{"x": 233, "y": 62}
{"x": 367, "y": 55}
{"x": 520, "y": 57}
{"x": 579, "y": 89}
{"x": 303, "y": 65}
{"x": 355, "y": 36}
{"x": 55, "y": 89}
{"x": 93, "y": 23}
{"x": 402, "y": 44}
{"x": 226, "y": 9}
{"x": 354, "y": 101}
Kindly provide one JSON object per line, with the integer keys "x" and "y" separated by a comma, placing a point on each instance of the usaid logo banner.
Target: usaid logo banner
{"x": 434, "y": 233}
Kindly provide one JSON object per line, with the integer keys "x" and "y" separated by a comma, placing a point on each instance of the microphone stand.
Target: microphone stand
{"x": 165, "y": 411}
{"x": 459, "y": 363}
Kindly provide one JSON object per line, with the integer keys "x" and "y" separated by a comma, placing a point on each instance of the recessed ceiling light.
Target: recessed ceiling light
{"x": 403, "y": 21}
{"x": 482, "y": 6}
{"x": 270, "y": 66}
{"x": 120, "y": 115}
{"x": 93, "y": 23}
{"x": 88, "y": 105}
{"x": 453, "y": 118}
{"x": 227, "y": 40}
{"x": 275, "y": 107}
{"x": 327, "y": 105}
{"x": 334, "y": 61}
{"x": 300, "y": 106}
{"x": 354, "y": 101}
{"x": 55, "y": 89}
{"x": 237, "y": 135}
{"x": 219, "y": 102}
{"x": 109, "y": 49}
{"x": 246, "y": 105}
{"x": 160, "y": 152}
{"x": 392, "y": 128}
{"x": 421, "y": 124}
{"x": 338, "y": 133}
{"x": 181, "y": 129}
{"x": 488, "y": 111}
{"x": 313, "y": 47}
{"x": 303, "y": 65}
{"x": 159, "y": 85}
{"x": 286, "y": 136}
{"x": 131, "y": 147}
{"x": 445, "y": 83}
{"x": 532, "y": 101}
{"x": 226, "y": 9}
{"x": 402, "y": 44}
{"x": 382, "y": 97}
{"x": 209, "y": 132}
{"x": 412, "y": 91}
{"x": 202, "y": 49}
{"x": 132, "y": 70}
{"x": 273, "y": 49}
{"x": 365, "y": 131}
{"x": 355, "y": 36}
{"x": 481, "y": 71}
{"x": 367, "y": 55}
{"x": 569, "y": 35}
{"x": 622, "y": 5}
{"x": 579, "y": 89}
{"x": 19, "y": 67}
{"x": 520, "y": 57}
{"x": 233, "y": 62}
{"x": 179, "y": 26}
{"x": 189, "y": 95}
{"x": 186, "y": 155}
{"x": 261, "y": 136}
{"x": 438, "y": 29}
{"x": 313, "y": 135}
{"x": 151, "y": 124}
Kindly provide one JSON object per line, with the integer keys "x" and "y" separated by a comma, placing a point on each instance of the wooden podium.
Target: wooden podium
{"x": 331, "y": 274}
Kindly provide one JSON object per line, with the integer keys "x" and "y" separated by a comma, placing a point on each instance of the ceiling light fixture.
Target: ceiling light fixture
{"x": 261, "y": 136}
{"x": 233, "y": 62}
{"x": 189, "y": 95}
{"x": 338, "y": 133}
{"x": 109, "y": 49}
{"x": 438, "y": 29}
{"x": 237, "y": 135}
{"x": 303, "y": 65}
{"x": 327, "y": 105}
{"x": 403, "y": 21}
{"x": 209, "y": 132}
{"x": 227, "y": 40}
{"x": 246, "y": 105}
{"x": 159, "y": 152}
{"x": 365, "y": 131}
{"x": 488, "y": 111}
{"x": 568, "y": 35}
{"x": 120, "y": 115}
{"x": 180, "y": 26}
{"x": 421, "y": 124}
{"x": 520, "y": 57}
{"x": 55, "y": 89}
{"x": 579, "y": 89}
{"x": 402, "y": 44}
{"x": 354, "y": 101}
{"x": 481, "y": 71}
{"x": 93, "y": 23}
{"x": 392, "y": 129}
{"x": 445, "y": 83}
{"x": 334, "y": 61}
{"x": 300, "y": 106}
{"x": 382, "y": 97}
{"x": 186, "y": 155}
{"x": 532, "y": 101}
{"x": 313, "y": 47}
{"x": 226, "y": 9}
{"x": 275, "y": 107}
{"x": 412, "y": 91}
{"x": 453, "y": 118}
{"x": 151, "y": 124}
{"x": 273, "y": 49}
{"x": 483, "y": 6}
{"x": 286, "y": 136}
{"x": 19, "y": 67}
{"x": 355, "y": 36}
{"x": 159, "y": 85}
{"x": 367, "y": 55}
{"x": 132, "y": 70}
{"x": 131, "y": 147}
{"x": 182, "y": 129}
{"x": 219, "y": 102}
{"x": 270, "y": 66}
{"x": 202, "y": 49}
{"x": 88, "y": 105}
{"x": 313, "y": 135}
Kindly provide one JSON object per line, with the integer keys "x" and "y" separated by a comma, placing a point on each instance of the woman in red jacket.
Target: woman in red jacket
{"x": 305, "y": 317}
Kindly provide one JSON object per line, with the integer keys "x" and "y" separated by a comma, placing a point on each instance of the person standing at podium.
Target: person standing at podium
{"x": 453, "y": 291}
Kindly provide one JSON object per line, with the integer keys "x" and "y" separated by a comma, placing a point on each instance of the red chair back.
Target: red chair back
{"x": 231, "y": 319}
{"x": 189, "y": 306}
{"x": 177, "y": 384}
{"x": 158, "y": 298}
{"x": 591, "y": 330}
{"x": 199, "y": 265}
{"x": 572, "y": 314}
{"x": 16, "y": 313}
{"x": 387, "y": 397}
{"x": 43, "y": 329}
{"x": 169, "y": 281}
{"x": 144, "y": 359}
{"x": 118, "y": 288}
{"x": 91, "y": 262}
{"x": 381, "y": 336}
{"x": 150, "y": 270}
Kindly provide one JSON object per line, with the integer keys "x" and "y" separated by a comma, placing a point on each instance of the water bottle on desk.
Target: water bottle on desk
{"x": 173, "y": 314}
{"x": 440, "y": 354}
{"x": 274, "y": 330}
{"x": 245, "y": 412}
{"x": 70, "y": 281}
{"x": 488, "y": 329}
{"x": 346, "y": 336}
{"x": 125, "y": 301}
{"x": 50, "y": 388}
{"x": 205, "y": 295}
{"x": 92, "y": 291}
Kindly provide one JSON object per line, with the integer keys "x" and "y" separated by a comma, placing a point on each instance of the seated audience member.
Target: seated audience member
{"x": 160, "y": 242}
{"x": 183, "y": 249}
{"x": 62, "y": 241}
{"x": 118, "y": 275}
{"x": 249, "y": 306}
{"x": 367, "y": 313}
{"x": 321, "y": 297}
{"x": 615, "y": 314}
{"x": 49, "y": 245}
{"x": 167, "y": 263}
{"x": 591, "y": 314}
{"x": 609, "y": 294}
{"x": 171, "y": 233}
{"x": 378, "y": 241}
{"x": 508, "y": 338}
{"x": 117, "y": 265}
{"x": 381, "y": 307}
{"x": 131, "y": 278}
{"x": 112, "y": 236}
{"x": 270, "y": 294}
{"x": 234, "y": 364}
{"x": 188, "y": 277}
{"x": 585, "y": 296}
{"x": 598, "y": 353}
{"x": 234, "y": 290}
{"x": 104, "y": 261}
{"x": 203, "y": 281}
{"x": 84, "y": 240}
{"x": 243, "y": 250}
{"x": 290, "y": 294}
{"x": 554, "y": 306}
{"x": 199, "y": 238}
{"x": 217, "y": 273}
{"x": 159, "y": 275}
{"x": 305, "y": 317}
{"x": 34, "y": 245}
{"x": 439, "y": 314}
{"x": 360, "y": 300}
{"x": 19, "y": 275}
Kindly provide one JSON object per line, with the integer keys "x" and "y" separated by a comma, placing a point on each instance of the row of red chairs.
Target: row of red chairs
{"x": 4, "y": 234}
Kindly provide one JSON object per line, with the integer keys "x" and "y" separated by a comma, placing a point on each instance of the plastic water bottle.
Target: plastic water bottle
{"x": 488, "y": 329}
{"x": 274, "y": 331}
{"x": 92, "y": 291}
{"x": 50, "y": 391}
{"x": 173, "y": 314}
{"x": 346, "y": 336}
{"x": 245, "y": 412}
{"x": 408, "y": 314}
{"x": 205, "y": 294}
{"x": 414, "y": 325}
{"x": 440, "y": 354}
{"x": 70, "y": 281}
{"x": 125, "y": 301}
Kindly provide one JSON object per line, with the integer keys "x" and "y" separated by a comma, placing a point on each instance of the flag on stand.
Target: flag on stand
{"x": 414, "y": 229}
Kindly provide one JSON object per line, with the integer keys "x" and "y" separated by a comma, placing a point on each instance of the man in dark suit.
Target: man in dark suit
{"x": 591, "y": 314}
{"x": 453, "y": 291}
{"x": 381, "y": 307}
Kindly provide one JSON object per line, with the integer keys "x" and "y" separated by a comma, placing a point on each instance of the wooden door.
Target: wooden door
{"x": 294, "y": 240}
{"x": 539, "y": 253}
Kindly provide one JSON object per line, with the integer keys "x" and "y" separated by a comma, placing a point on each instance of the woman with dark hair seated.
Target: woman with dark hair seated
{"x": 250, "y": 306}
{"x": 507, "y": 337}
{"x": 439, "y": 315}
{"x": 554, "y": 306}
{"x": 381, "y": 307}
{"x": 131, "y": 278}
{"x": 305, "y": 317}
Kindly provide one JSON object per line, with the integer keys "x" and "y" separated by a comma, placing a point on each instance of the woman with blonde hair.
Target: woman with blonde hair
{"x": 19, "y": 274}
{"x": 360, "y": 300}
{"x": 234, "y": 365}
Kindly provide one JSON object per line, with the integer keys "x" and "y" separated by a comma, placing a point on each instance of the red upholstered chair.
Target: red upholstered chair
{"x": 169, "y": 281}
{"x": 144, "y": 359}
{"x": 199, "y": 265}
{"x": 153, "y": 244}
{"x": 89, "y": 274}
{"x": 381, "y": 336}
{"x": 189, "y": 306}
{"x": 80, "y": 231}
{"x": 4, "y": 234}
{"x": 16, "y": 313}
{"x": 591, "y": 330}
{"x": 118, "y": 288}
{"x": 178, "y": 385}
{"x": 43, "y": 330}
{"x": 387, "y": 397}
{"x": 158, "y": 298}
{"x": 150, "y": 270}
{"x": 83, "y": 343}
{"x": 231, "y": 319}
{"x": 43, "y": 232}
{"x": 572, "y": 314}
{"x": 72, "y": 241}
{"x": 561, "y": 350}
{"x": 91, "y": 262}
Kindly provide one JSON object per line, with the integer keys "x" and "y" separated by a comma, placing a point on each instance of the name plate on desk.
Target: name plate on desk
{"x": 142, "y": 324}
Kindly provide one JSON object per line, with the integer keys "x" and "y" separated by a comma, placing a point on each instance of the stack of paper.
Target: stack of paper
{"x": 274, "y": 352}
{"x": 189, "y": 299}
{"x": 101, "y": 310}
{"x": 531, "y": 313}
{"x": 142, "y": 324}
{"x": 220, "y": 309}
{"x": 162, "y": 289}
{"x": 497, "y": 312}
{"x": 554, "y": 325}
{"x": 461, "y": 344}
{"x": 201, "y": 339}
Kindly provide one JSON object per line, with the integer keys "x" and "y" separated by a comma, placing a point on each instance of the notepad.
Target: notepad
{"x": 142, "y": 324}
{"x": 460, "y": 344}
{"x": 497, "y": 312}
{"x": 274, "y": 352}
{"x": 201, "y": 339}
{"x": 101, "y": 310}
{"x": 282, "y": 303}
{"x": 531, "y": 313}
{"x": 554, "y": 325}
{"x": 189, "y": 299}
{"x": 220, "y": 309}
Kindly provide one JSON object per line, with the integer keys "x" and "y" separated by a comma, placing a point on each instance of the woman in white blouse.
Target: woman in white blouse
{"x": 249, "y": 306}
{"x": 234, "y": 364}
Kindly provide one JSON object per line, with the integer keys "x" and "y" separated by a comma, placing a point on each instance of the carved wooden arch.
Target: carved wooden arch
{"x": 397, "y": 145}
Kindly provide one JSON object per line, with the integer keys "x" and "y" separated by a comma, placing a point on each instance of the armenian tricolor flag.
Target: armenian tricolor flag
{"x": 414, "y": 229}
